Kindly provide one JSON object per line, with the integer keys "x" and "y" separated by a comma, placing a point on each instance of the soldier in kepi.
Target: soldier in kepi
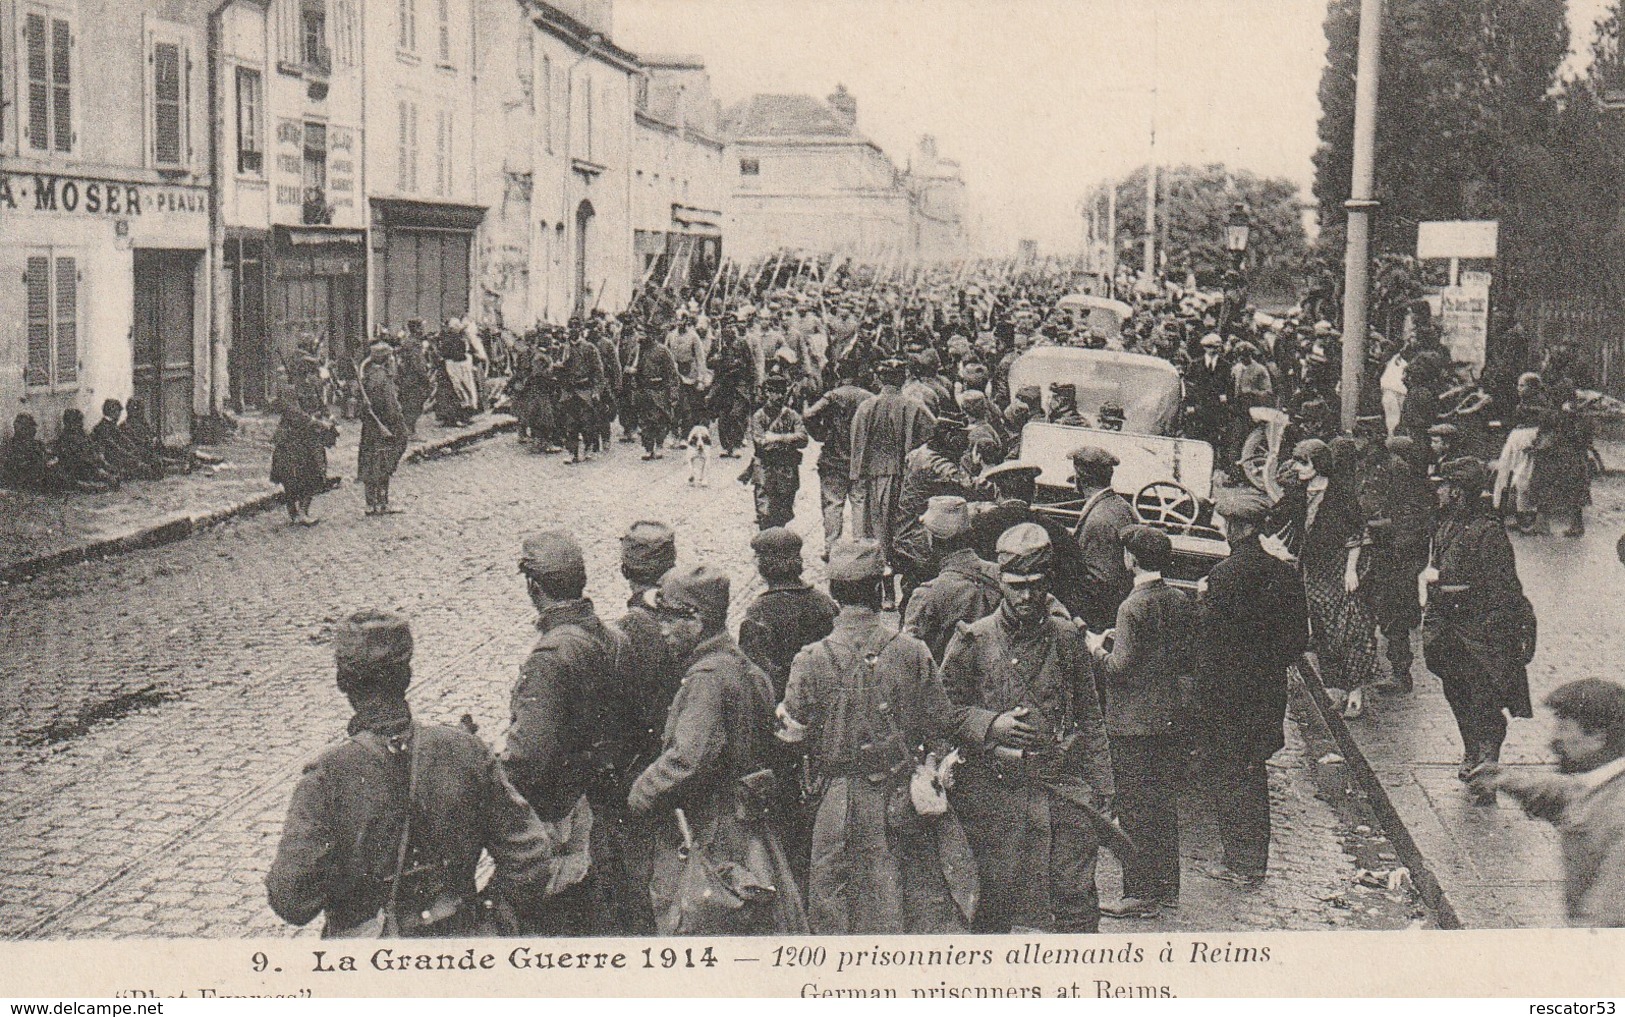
{"x": 350, "y": 851}
{"x": 778, "y": 436}
{"x": 567, "y": 723}
{"x": 861, "y": 703}
{"x": 383, "y": 427}
{"x": 711, "y": 788}
{"x": 1037, "y": 786}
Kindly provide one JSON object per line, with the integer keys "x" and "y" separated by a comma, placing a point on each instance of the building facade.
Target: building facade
{"x": 677, "y": 196}
{"x": 104, "y": 210}
{"x": 292, "y": 217}
{"x": 805, "y": 178}
{"x": 938, "y": 190}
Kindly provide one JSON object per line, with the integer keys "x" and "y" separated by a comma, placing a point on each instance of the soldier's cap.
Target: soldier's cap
{"x": 946, "y": 516}
{"x": 1464, "y": 472}
{"x": 380, "y": 344}
{"x": 1403, "y": 445}
{"x": 973, "y": 373}
{"x": 371, "y": 639}
{"x": 1111, "y": 411}
{"x": 776, "y": 542}
{"x": 552, "y": 553}
{"x": 648, "y": 549}
{"x": 1093, "y": 460}
{"x": 1212, "y": 339}
{"x": 1323, "y": 327}
{"x": 1012, "y": 471}
{"x": 1029, "y": 393}
{"x": 927, "y": 358}
{"x": 1024, "y": 553}
{"x": 1242, "y": 505}
{"x": 1063, "y": 387}
{"x": 1244, "y": 348}
{"x": 1149, "y": 545}
{"x": 854, "y": 561}
{"x": 1444, "y": 430}
{"x": 692, "y": 591}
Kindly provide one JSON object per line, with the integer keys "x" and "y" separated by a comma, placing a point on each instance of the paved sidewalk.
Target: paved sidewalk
{"x": 1495, "y": 867}
{"x": 41, "y": 532}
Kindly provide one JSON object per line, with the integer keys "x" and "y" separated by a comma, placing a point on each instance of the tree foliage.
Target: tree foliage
{"x": 1194, "y": 204}
{"x": 1474, "y": 123}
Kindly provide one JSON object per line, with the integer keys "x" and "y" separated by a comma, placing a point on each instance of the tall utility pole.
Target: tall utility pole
{"x": 1111, "y": 238}
{"x": 1151, "y": 163}
{"x": 1357, "y": 259}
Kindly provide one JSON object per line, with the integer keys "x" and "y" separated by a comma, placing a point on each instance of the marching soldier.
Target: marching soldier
{"x": 830, "y": 421}
{"x": 965, "y": 589}
{"x": 778, "y": 436}
{"x": 653, "y": 380}
{"x": 710, "y": 789}
{"x": 885, "y": 430}
{"x": 1037, "y": 786}
{"x": 861, "y": 703}
{"x": 350, "y": 851}
{"x": 564, "y": 734}
{"x": 582, "y": 376}
{"x": 383, "y": 428}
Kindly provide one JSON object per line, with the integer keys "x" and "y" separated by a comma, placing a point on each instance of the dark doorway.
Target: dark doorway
{"x": 426, "y": 276}
{"x": 163, "y": 338}
{"x": 250, "y": 360}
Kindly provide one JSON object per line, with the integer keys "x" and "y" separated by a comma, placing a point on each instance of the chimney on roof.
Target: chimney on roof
{"x": 841, "y": 102}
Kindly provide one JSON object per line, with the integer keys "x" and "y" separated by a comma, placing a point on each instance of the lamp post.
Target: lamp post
{"x": 1238, "y": 229}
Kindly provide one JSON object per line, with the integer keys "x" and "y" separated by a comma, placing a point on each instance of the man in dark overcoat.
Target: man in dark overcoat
{"x": 383, "y": 428}
{"x": 1254, "y": 626}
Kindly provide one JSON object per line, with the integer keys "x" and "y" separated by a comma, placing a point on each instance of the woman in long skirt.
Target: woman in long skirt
{"x": 1322, "y": 505}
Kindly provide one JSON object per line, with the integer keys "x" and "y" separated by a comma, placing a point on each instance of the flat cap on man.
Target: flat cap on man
{"x": 699, "y": 591}
{"x": 1111, "y": 411}
{"x": 1212, "y": 340}
{"x": 854, "y": 561}
{"x": 946, "y": 516}
{"x": 1029, "y": 393}
{"x": 552, "y": 553}
{"x": 1012, "y": 470}
{"x": 648, "y": 549}
{"x": 372, "y": 639}
{"x": 1149, "y": 545}
{"x": 1093, "y": 460}
{"x": 776, "y": 542}
{"x": 1024, "y": 553}
{"x": 1465, "y": 472}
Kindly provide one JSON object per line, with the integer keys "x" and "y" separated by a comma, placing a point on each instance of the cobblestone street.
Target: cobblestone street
{"x": 157, "y": 706}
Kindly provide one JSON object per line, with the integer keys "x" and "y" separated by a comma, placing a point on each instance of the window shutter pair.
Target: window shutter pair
{"x": 53, "y": 321}
{"x": 49, "y": 45}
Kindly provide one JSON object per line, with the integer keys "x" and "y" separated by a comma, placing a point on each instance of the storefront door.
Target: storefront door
{"x": 164, "y": 338}
{"x": 426, "y": 276}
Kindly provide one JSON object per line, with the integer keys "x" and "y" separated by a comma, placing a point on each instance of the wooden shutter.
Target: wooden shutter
{"x": 37, "y": 284}
{"x": 445, "y": 31}
{"x": 250, "y": 115}
{"x": 61, "y": 86}
{"x": 67, "y": 321}
{"x": 39, "y": 82}
{"x": 166, "y": 103}
{"x": 412, "y": 149}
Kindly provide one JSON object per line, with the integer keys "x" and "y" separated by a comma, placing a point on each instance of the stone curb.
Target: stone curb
{"x": 173, "y": 530}
{"x": 1427, "y": 884}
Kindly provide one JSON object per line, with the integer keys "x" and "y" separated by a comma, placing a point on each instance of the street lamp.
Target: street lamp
{"x": 1237, "y": 230}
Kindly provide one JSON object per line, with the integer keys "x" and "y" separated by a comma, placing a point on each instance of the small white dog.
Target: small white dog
{"x": 698, "y": 445}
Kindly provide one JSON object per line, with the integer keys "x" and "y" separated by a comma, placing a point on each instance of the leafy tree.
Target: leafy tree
{"x": 1195, "y": 202}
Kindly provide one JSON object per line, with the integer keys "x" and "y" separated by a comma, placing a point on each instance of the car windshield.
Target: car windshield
{"x": 1147, "y": 388}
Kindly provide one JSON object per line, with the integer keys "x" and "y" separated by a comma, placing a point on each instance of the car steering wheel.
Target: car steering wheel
{"x": 1167, "y": 504}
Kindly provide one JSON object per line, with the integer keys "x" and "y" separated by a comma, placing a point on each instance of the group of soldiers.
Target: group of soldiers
{"x": 1045, "y": 691}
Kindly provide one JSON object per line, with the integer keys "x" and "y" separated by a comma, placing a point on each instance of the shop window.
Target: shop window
{"x": 52, "y": 288}
{"x": 48, "y": 42}
{"x": 250, "y": 121}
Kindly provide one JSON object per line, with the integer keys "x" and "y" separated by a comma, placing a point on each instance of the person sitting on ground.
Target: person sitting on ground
{"x": 25, "y": 464}
{"x": 122, "y": 457}
{"x": 77, "y": 461}
{"x": 141, "y": 436}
